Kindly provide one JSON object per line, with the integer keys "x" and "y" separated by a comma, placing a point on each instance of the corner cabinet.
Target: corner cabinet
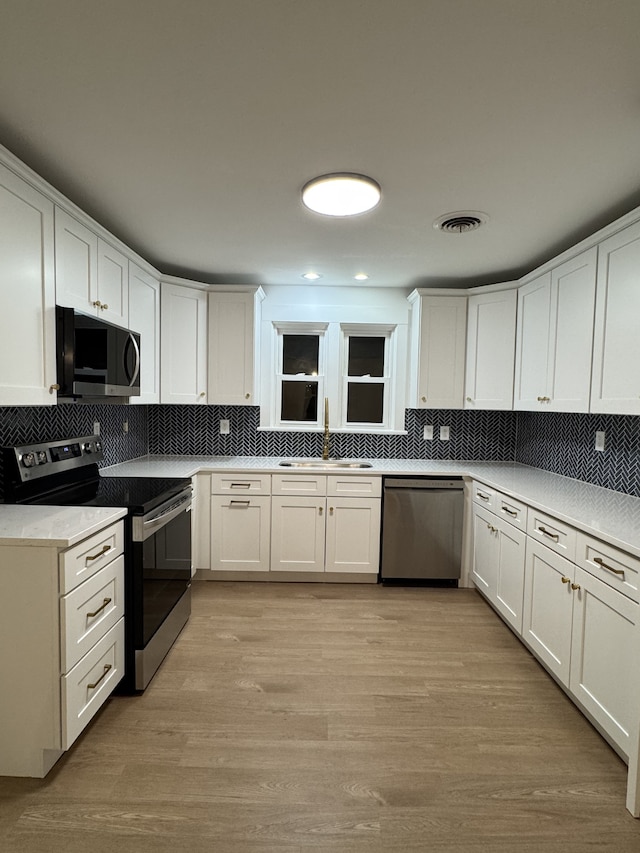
{"x": 144, "y": 317}
{"x": 491, "y": 336}
{"x": 27, "y": 294}
{"x": 91, "y": 275}
{"x": 234, "y": 318}
{"x": 616, "y": 351}
{"x": 183, "y": 344}
{"x": 437, "y": 330}
{"x": 554, "y": 338}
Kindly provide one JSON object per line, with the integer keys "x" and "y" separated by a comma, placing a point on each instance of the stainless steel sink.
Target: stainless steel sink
{"x": 322, "y": 463}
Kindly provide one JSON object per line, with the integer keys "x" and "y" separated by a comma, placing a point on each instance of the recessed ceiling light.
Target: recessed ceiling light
{"x": 361, "y": 276}
{"x": 311, "y": 276}
{"x": 341, "y": 194}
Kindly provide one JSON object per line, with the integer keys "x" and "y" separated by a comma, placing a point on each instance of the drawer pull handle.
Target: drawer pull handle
{"x": 510, "y": 512}
{"x": 100, "y": 609}
{"x": 107, "y": 667}
{"x": 545, "y": 532}
{"x": 575, "y": 586}
{"x": 239, "y": 503}
{"x": 565, "y": 580}
{"x": 602, "y": 563}
{"x": 99, "y": 554}
{"x": 240, "y": 486}
{"x": 482, "y": 496}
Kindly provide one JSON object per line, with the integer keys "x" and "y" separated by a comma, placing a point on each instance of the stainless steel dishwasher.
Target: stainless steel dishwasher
{"x": 422, "y": 529}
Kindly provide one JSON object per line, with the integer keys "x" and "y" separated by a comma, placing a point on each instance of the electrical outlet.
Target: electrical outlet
{"x": 600, "y": 440}
{"x": 224, "y": 426}
{"x": 96, "y": 427}
{"x": 444, "y": 433}
{"x": 125, "y": 426}
{"x": 427, "y": 432}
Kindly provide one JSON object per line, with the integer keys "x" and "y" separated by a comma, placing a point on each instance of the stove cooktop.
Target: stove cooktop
{"x": 138, "y": 494}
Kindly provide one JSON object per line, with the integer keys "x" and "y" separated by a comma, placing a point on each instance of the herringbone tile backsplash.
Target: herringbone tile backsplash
{"x": 562, "y": 443}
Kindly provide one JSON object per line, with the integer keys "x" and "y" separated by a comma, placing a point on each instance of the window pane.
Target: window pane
{"x": 366, "y": 356}
{"x": 299, "y": 401}
{"x": 300, "y": 354}
{"x": 365, "y": 403}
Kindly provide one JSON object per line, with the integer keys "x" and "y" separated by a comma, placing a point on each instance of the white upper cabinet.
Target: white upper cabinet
{"x": 233, "y": 320}
{"x": 183, "y": 344}
{"x": 27, "y": 294}
{"x": 554, "y": 338}
{"x": 91, "y": 275}
{"x": 616, "y": 347}
{"x": 437, "y": 328}
{"x": 491, "y": 335}
{"x": 144, "y": 317}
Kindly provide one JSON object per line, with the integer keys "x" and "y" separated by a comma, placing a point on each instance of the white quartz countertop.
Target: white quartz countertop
{"x": 52, "y": 526}
{"x": 611, "y": 516}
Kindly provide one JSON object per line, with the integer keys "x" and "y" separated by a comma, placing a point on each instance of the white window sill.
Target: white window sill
{"x": 335, "y": 430}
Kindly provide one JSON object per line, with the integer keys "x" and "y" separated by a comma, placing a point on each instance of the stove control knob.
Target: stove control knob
{"x": 41, "y": 457}
{"x": 28, "y": 460}
{"x": 88, "y": 448}
{"x": 98, "y": 446}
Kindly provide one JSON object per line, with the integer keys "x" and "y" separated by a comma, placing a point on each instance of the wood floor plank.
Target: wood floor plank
{"x": 333, "y": 719}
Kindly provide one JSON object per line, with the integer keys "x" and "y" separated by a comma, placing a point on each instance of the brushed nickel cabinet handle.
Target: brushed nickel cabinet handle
{"x": 602, "y": 563}
{"x": 319, "y": 510}
{"x": 545, "y": 532}
{"x": 423, "y": 399}
{"x": 575, "y": 586}
{"x": 240, "y": 485}
{"x": 330, "y": 510}
{"x": 482, "y": 496}
{"x": 510, "y": 512}
{"x": 239, "y": 503}
{"x": 104, "y": 306}
{"x": 97, "y": 304}
{"x": 247, "y": 396}
{"x": 54, "y": 387}
{"x": 99, "y": 554}
{"x": 565, "y": 580}
{"x": 107, "y": 667}
{"x": 100, "y": 609}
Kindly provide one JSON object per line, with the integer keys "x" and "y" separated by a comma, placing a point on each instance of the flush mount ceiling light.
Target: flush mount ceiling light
{"x": 311, "y": 276}
{"x": 361, "y": 276}
{"x": 341, "y": 194}
{"x": 460, "y": 221}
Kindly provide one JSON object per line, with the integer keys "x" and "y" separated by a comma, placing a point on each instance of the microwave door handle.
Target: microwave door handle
{"x": 136, "y": 369}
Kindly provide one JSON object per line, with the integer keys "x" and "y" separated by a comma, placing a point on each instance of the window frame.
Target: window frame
{"x": 312, "y": 330}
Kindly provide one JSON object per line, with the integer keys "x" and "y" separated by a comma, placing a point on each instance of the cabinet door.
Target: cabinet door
{"x": 603, "y": 667}
{"x": 297, "y": 534}
{"x": 113, "y": 285}
{"x": 548, "y": 608}
{"x": 439, "y": 339}
{"x": 485, "y": 552}
{"x": 491, "y": 337}
{"x": 353, "y": 535}
{"x": 231, "y": 339}
{"x": 240, "y": 533}
{"x": 183, "y": 350}
{"x": 144, "y": 317}
{"x": 532, "y": 344}
{"x": 616, "y": 345}
{"x": 509, "y": 590}
{"x": 573, "y": 290}
{"x": 27, "y": 297}
{"x": 76, "y": 264}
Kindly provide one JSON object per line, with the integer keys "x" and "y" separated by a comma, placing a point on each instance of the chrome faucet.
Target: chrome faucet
{"x": 325, "y": 441}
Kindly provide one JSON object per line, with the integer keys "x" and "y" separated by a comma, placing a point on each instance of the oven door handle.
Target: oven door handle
{"x": 143, "y": 529}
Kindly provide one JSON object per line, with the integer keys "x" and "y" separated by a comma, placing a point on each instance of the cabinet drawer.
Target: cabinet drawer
{"x": 89, "y": 556}
{"x": 557, "y": 535}
{"x": 617, "y": 569}
{"x": 90, "y": 682}
{"x": 483, "y": 495}
{"x": 351, "y": 485}
{"x": 299, "y": 484}
{"x": 511, "y": 510}
{"x": 254, "y": 484}
{"x": 90, "y": 610}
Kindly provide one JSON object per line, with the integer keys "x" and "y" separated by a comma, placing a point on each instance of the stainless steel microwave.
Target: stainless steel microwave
{"x": 94, "y": 358}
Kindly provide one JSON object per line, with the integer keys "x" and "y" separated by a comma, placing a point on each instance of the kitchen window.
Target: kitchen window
{"x": 353, "y": 364}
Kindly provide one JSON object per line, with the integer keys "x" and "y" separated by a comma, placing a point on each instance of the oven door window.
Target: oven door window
{"x": 166, "y": 574}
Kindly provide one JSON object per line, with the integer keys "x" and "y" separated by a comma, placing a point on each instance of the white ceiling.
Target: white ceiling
{"x": 188, "y": 127}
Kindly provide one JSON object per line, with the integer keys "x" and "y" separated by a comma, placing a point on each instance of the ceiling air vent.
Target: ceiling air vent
{"x": 461, "y": 221}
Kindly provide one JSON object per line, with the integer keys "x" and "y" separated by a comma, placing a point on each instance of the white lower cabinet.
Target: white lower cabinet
{"x": 62, "y": 636}
{"x": 240, "y": 522}
{"x": 318, "y": 525}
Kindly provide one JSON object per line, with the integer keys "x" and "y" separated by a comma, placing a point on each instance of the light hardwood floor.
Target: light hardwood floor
{"x": 337, "y": 718}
